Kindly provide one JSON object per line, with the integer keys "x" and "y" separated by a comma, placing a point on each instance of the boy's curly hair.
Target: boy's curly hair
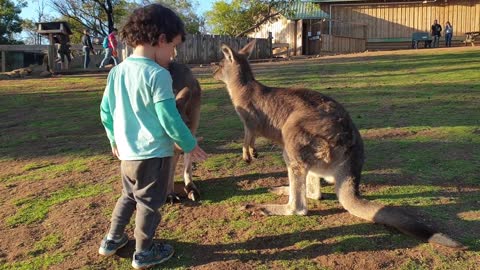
{"x": 146, "y": 24}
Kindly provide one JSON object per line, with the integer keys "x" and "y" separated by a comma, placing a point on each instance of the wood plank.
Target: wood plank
{"x": 23, "y": 48}
{"x": 4, "y": 61}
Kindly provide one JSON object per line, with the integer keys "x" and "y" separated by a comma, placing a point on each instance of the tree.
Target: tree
{"x": 10, "y": 21}
{"x": 28, "y": 25}
{"x": 240, "y": 17}
{"x": 99, "y": 16}
{"x": 186, "y": 10}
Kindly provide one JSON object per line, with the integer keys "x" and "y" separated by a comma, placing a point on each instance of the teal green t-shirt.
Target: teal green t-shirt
{"x": 138, "y": 111}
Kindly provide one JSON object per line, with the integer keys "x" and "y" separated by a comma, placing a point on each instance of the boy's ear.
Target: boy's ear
{"x": 248, "y": 49}
{"x": 227, "y": 52}
{"x": 162, "y": 38}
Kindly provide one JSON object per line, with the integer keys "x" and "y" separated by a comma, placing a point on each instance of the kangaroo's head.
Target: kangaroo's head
{"x": 234, "y": 68}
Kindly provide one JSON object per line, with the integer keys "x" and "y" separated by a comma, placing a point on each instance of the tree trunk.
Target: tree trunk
{"x": 109, "y": 11}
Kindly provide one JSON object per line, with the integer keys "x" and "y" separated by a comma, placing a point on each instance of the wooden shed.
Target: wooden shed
{"x": 305, "y": 30}
{"x": 389, "y": 24}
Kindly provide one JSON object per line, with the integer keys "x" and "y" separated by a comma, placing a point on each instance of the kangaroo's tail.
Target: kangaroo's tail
{"x": 391, "y": 216}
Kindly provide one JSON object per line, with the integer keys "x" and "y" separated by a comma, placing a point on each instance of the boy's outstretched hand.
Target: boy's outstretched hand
{"x": 198, "y": 154}
{"x": 115, "y": 152}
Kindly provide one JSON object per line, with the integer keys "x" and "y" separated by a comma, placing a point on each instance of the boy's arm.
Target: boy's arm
{"x": 173, "y": 124}
{"x": 107, "y": 119}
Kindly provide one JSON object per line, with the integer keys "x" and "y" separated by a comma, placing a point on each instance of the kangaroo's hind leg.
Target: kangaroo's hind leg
{"x": 190, "y": 189}
{"x": 313, "y": 187}
{"x": 297, "y": 201}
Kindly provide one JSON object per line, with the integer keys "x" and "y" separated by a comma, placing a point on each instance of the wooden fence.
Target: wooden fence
{"x": 50, "y": 50}
{"x": 336, "y": 44}
{"x": 201, "y": 49}
{"x": 197, "y": 49}
{"x": 205, "y": 49}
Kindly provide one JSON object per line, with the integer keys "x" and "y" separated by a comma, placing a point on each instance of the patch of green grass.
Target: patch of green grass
{"x": 171, "y": 215}
{"x": 36, "y": 171}
{"x": 279, "y": 225}
{"x": 41, "y": 262}
{"x": 45, "y": 244}
{"x": 36, "y": 165}
{"x": 36, "y": 209}
{"x": 414, "y": 264}
{"x": 223, "y": 161}
{"x": 352, "y": 242}
{"x": 306, "y": 243}
{"x": 407, "y": 195}
{"x": 297, "y": 264}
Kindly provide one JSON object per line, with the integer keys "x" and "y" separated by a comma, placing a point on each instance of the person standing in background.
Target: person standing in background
{"x": 87, "y": 47}
{"x": 448, "y": 34}
{"x": 436, "y": 33}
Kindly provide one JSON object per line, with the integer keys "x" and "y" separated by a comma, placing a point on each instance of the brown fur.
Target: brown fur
{"x": 319, "y": 140}
{"x": 188, "y": 96}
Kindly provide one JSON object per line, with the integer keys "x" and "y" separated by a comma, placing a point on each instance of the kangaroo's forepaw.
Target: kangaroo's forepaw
{"x": 192, "y": 192}
{"x": 253, "y": 153}
{"x": 173, "y": 198}
{"x": 247, "y": 158}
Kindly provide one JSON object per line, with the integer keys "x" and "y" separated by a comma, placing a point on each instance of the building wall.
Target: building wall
{"x": 401, "y": 20}
{"x": 283, "y": 31}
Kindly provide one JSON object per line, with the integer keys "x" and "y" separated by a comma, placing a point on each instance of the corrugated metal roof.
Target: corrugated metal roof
{"x": 332, "y": 1}
{"x": 306, "y": 10}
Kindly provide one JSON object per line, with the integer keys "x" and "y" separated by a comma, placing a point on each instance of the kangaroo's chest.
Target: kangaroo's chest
{"x": 263, "y": 122}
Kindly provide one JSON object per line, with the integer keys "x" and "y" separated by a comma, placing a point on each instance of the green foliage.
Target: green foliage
{"x": 239, "y": 16}
{"x": 231, "y": 18}
{"x": 186, "y": 10}
{"x": 10, "y": 21}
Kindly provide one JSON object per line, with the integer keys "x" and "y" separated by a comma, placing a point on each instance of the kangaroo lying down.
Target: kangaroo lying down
{"x": 319, "y": 140}
{"x": 187, "y": 95}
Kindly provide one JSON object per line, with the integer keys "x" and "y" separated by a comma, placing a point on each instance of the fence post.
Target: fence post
{"x": 4, "y": 61}
{"x": 51, "y": 57}
{"x": 270, "y": 41}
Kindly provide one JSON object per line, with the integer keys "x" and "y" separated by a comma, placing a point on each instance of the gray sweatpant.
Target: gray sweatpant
{"x": 144, "y": 188}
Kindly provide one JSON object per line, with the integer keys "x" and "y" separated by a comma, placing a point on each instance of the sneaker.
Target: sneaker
{"x": 158, "y": 254}
{"x": 109, "y": 247}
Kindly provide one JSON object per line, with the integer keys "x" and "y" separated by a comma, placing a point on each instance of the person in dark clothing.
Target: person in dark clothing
{"x": 87, "y": 47}
{"x": 448, "y": 34}
{"x": 436, "y": 33}
{"x": 63, "y": 51}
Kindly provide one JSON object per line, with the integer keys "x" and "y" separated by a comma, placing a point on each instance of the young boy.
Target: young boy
{"x": 142, "y": 123}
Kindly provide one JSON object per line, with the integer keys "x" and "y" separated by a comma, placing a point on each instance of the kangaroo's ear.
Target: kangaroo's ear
{"x": 227, "y": 51}
{"x": 248, "y": 49}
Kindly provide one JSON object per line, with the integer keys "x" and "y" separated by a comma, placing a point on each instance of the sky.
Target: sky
{"x": 29, "y": 11}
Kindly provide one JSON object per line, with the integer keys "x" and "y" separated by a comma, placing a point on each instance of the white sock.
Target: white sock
{"x": 113, "y": 238}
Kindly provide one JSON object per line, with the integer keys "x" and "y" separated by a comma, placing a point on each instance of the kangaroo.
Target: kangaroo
{"x": 319, "y": 140}
{"x": 187, "y": 96}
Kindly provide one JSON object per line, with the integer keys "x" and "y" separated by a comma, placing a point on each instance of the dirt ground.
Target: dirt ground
{"x": 82, "y": 222}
